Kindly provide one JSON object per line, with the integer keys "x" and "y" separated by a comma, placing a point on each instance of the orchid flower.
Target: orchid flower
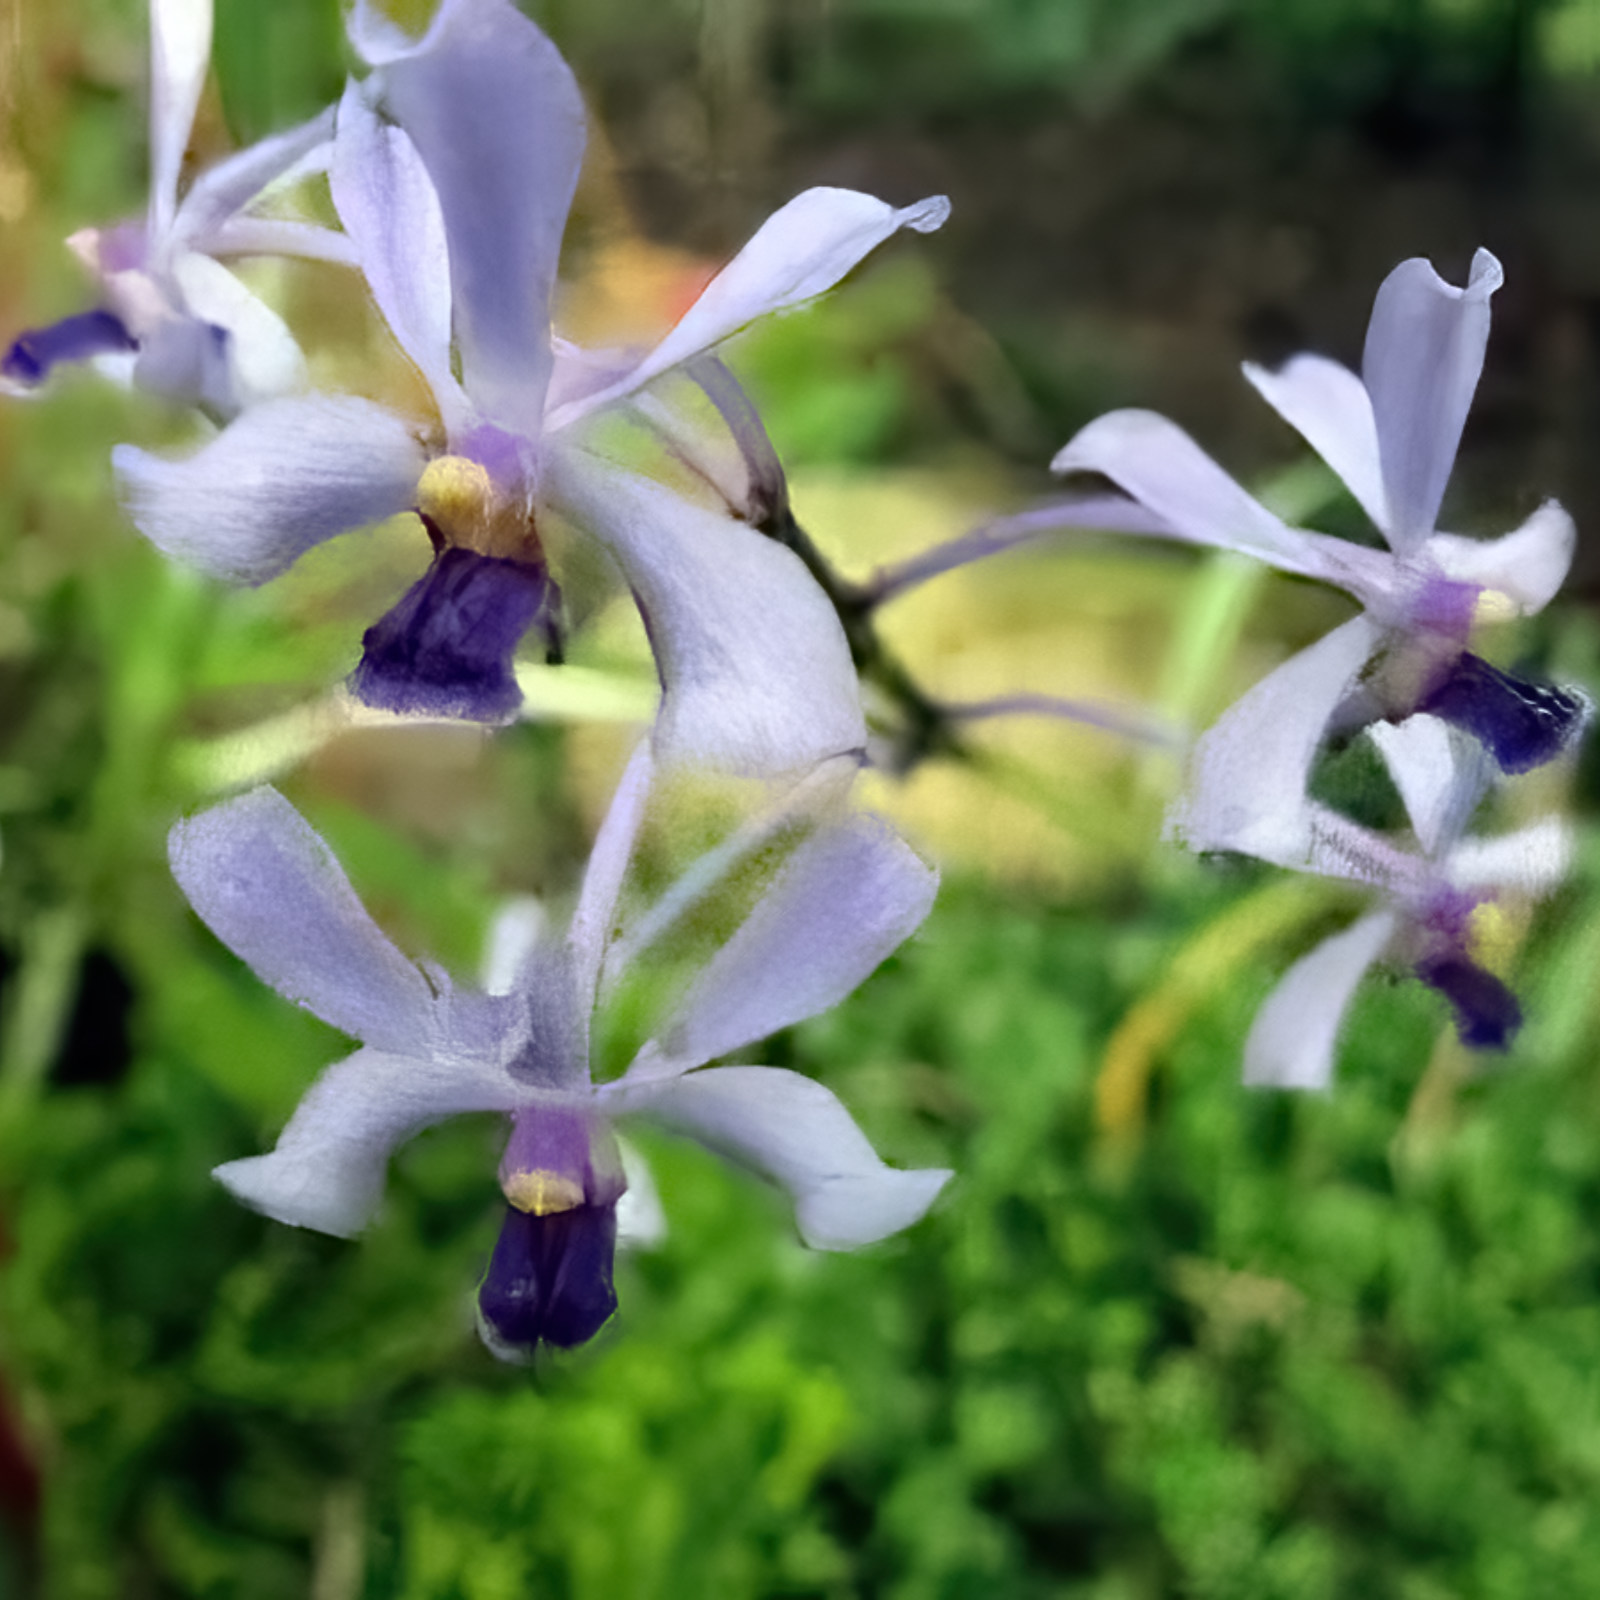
{"x": 1440, "y": 908}
{"x": 844, "y": 897}
{"x": 1391, "y": 435}
{"x": 173, "y": 320}
{"x": 454, "y": 165}
{"x": 1439, "y": 903}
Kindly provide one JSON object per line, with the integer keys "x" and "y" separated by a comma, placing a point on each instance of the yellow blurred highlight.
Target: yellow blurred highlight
{"x": 1207, "y": 963}
{"x": 16, "y": 189}
{"x": 267, "y": 749}
{"x": 631, "y": 292}
{"x": 1045, "y": 801}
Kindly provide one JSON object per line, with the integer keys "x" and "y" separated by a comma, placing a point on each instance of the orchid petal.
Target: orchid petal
{"x": 1291, "y": 1043}
{"x": 388, "y": 206}
{"x": 591, "y": 927}
{"x": 710, "y": 424}
{"x": 281, "y": 236}
{"x": 180, "y": 51}
{"x": 756, "y": 674}
{"x": 185, "y": 360}
{"x": 1423, "y": 355}
{"x": 1249, "y": 771}
{"x": 847, "y": 897}
{"x": 221, "y": 192}
{"x": 1328, "y": 405}
{"x": 820, "y": 793}
{"x": 496, "y": 116}
{"x": 801, "y": 250}
{"x": 1157, "y": 463}
{"x": 263, "y": 359}
{"x": 1528, "y": 565}
{"x": 327, "y": 1170}
{"x": 285, "y": 476}
{"x": 264, "y": 882}
{"x": 518, "y": 933}
{"x": 796, "y": 1133}
{"x": 1333, "y": 846}
{"x": 1421, "y": 758}
{"x": 641, "y": 1218}
{"x": 1533, "y": 860}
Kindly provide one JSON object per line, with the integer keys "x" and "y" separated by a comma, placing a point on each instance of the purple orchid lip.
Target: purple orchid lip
{"x": 1521, "y": 724}
{"x": 549, "y": 1279}
{"x": 446, "y": 648}
{"x": 1486, "y": 1011}
{"x": 76, "y": 338}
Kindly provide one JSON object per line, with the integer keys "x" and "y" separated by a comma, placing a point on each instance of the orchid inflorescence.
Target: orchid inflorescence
{"x": 452, "y": 161}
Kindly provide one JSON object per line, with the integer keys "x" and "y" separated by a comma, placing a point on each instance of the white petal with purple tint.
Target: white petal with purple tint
{"x": 327, "y": 1170}
{"x": 1528, "y": 565}
{"x": 263, "y": 360}
{"x": 496, "y": 116}
{"x": 1157, "y": 463}
{"x": 641, "y": 1218}
{"x": 388, "y": 206}
{"x": 264, "y": 882}
{"x": 1423, "y": 356}
{"x": 1328, "y": 405}
{"x": 1533, "y": 860}
{"x": 801, "y": 250}
{"x": 180, "y": 52}
{"x": 1292, "y": 1041}
{"x": 1421, "y": 758}
{"x": 847, "y": 896}
{"x": 755, "y": 671}
{"x": 275, "y": 236}
{"x": 220, "y": 193}
{"x": 285, "y": 476}
{"x": 1249, "y": 771}
{"x": 591, "y": 928}
{"x": 794, "y": 1132}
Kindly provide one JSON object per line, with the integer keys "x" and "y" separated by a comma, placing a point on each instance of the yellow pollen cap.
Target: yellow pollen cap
{"x": 542, "y": 1193}
{"x": 455, "y": 492}
{"x": 1495, "y": 605}
{"x": 1492, "y": 933}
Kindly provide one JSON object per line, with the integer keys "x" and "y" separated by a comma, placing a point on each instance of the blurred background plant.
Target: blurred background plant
{"x": 1162, "y": 1337}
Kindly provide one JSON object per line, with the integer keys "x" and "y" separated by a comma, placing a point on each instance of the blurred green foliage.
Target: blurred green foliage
{"x": 1271, "y": 1347}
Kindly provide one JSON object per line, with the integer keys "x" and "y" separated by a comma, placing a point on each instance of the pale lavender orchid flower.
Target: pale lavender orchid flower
{"x": 1391, "y": 435}
{"x": 1249, "y": 793}
{"x": 845, "y": 895}
{"x": 173, "y": 320}
{"x": 454, "y": 166}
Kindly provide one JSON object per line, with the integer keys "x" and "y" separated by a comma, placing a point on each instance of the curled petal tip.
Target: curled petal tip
{"x": 927, "y": 215}
{"x": 298, "y": 1195}
{"x": 1486, "y": 274}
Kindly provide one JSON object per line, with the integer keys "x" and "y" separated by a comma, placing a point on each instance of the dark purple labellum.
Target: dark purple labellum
{"x": 445, "y": 650}
{"x": 1487, "y": 1013}
{"x": 77, "y": 338}
{"x": 1521, "y": 724}
{"x": 550, "y": 1276}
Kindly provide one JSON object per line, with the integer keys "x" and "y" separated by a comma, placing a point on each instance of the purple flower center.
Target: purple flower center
{"x": 75, "y": 338}
{"x": 550, "y": 1277}
{"x": 1521, "y": 724}
{"x": 446, "y": 648}
{"x": 1486, "y": 1012}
